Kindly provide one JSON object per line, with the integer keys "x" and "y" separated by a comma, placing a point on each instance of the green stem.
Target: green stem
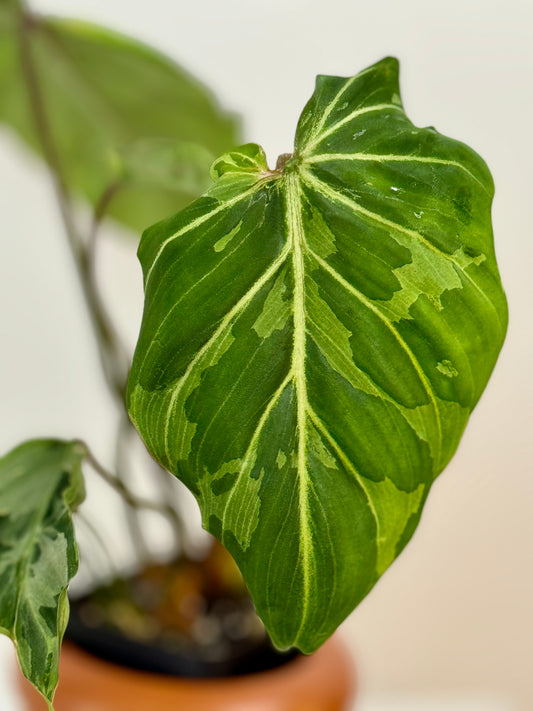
{"x": 113, "y": 355}
{"x": 104, "y": 548}
{"x": 134, "y": 501}
{"x": 114, "y": 372}
{"x": 124, "y": 447}
{"x": 114, "y": 360}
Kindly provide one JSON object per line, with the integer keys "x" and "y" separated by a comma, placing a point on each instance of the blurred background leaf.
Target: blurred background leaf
{"x": 111, "y": 104}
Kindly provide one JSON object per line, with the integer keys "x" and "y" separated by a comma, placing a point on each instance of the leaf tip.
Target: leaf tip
{"x": 389, "y": 69}
{"x": 392, "y": 63}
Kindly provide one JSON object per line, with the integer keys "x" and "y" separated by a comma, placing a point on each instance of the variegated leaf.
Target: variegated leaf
{"x": 313, "y": 342}
{"x": 40, "y": 485}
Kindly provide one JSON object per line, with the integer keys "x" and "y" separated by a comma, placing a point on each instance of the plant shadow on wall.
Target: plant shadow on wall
{"x": 313, "y": 341}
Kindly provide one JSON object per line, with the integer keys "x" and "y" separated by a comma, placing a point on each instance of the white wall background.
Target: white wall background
{"x": 454, "y": 615}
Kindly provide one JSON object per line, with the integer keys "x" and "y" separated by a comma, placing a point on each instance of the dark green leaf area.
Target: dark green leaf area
{"x": 366, "y": 255}
{"x": 235, "y": 526}
{"x": 378, "y": 442}
{"x": 448, "y": 215}
{"x": 299, "y": 566}
{"x": 40, "y": 485}
{"x": 158, "y": 233}
{"x": 448, "y": 346}
{"x": 373, "y": 131}
{"x": 239, "y": 388}
{"x": 333, "y": 101}
{"x": 385, "y": 137}
{"x": 199, "y": 276}
{"x": 349, "y": 334}
{"x": 102, "y": 93}
{"x": 309, "y": 588}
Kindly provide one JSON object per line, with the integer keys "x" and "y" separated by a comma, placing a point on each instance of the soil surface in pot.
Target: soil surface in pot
{"x": 187, "y": 618}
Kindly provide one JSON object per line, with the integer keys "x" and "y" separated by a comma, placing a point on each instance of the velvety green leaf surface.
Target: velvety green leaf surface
{"x": 313, "y": 342}
{"x": 103, "y": 95}
{"x": 40, "y": 485}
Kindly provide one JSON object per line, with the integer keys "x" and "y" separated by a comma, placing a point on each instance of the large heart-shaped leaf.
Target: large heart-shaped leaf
{"x": 313, "y": 342}
{"x": 40, "y": 485}
{"x": 104, "y": 96}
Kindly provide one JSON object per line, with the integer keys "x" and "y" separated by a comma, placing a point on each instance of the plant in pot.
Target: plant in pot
{"x": 313, "y": 341}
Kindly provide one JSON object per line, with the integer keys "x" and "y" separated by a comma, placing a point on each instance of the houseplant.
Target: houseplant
{"x": 314, "y": 339}
{"x": 105, "y": 143}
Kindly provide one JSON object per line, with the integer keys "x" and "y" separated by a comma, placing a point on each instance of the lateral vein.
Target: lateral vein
{"x": 196, "y": 223}
{"x": 335, "y": 195}
{"x": 368, "y": 380}
{"x": 252, "y": 447}
{"x": 392, "y": 328}
{"x": 345, "y": 460}
{"x": 327, "y": 112}
{"x": 347, "y": 119}
{"x": 393, "y": 158}
{"x": 224, "y": 324}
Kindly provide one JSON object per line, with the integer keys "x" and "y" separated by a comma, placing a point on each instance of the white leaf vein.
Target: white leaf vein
{"x": 394, "y": 158}
{"x": 332, "y": 194}
{"x": 312, "y": 144}
{"x": 393, "y": 329}
{"x": 196, "y": 223}
{"x": 226, "y": 322}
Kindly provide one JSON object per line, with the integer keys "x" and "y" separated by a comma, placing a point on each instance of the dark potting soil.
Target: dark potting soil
{"x": 185, "y": 619}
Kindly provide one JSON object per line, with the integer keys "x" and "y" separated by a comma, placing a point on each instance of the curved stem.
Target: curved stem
{"x": 122, "y": 466}
{"x": 95, "y": 533}
{"x": 179, "y": 528}
{"x": 126, "y": 430}
{"x": 136, "y": 502}
{"x": 113, "y": 355}
{"x": 99, "y": 212}
{"x": 114, "y": 361}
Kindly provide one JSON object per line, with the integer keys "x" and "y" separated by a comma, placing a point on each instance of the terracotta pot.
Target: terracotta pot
{"x": 324, "y": 681}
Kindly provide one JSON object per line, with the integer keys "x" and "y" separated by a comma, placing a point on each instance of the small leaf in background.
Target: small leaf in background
{"x": 40, "y": 485}
{"x": 314, "y": 339}
{"x": 102, "y": 92}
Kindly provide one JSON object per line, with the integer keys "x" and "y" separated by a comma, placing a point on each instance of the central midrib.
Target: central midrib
{"x": 296, "y": 239}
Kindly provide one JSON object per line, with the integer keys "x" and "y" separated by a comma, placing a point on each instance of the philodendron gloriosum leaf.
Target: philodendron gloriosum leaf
{"x": 313, "y": 341}
{"x": 40, "y": 485}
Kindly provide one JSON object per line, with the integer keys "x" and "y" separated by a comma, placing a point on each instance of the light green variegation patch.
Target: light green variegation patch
{"x": 40, "y": 485}
{"x": 281, "y": 459}
{"x": 393, "y": 508}
{"x": 276, "y": 310}
{"x": 224, "y": 241}
{"x": 313, "y": 341}
{"x": 447, "y": 368}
